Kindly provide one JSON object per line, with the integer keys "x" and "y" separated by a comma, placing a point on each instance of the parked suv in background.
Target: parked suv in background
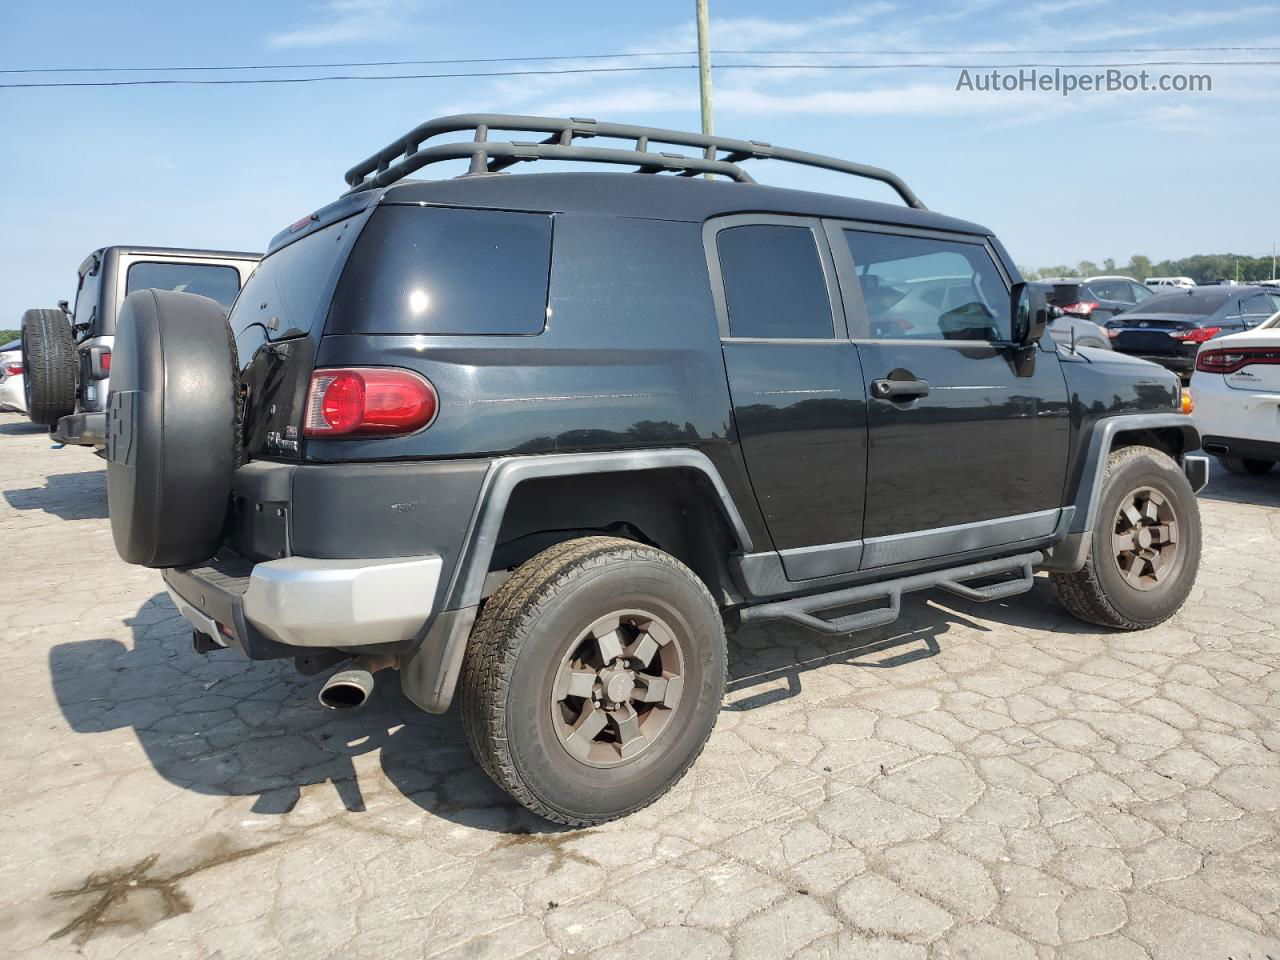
{"x": 68, "y": 352}
{"x": 537, "y": 439}
{"x": 1169, "y": 328}
{"x": 1102, "y": 298}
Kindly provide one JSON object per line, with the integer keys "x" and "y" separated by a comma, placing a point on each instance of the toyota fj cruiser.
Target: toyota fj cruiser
{"x": 67, "y": 353}
{"x": 537, "y": 439}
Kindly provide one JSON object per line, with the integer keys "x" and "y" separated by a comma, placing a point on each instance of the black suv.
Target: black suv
{"x": 539, "y": 439}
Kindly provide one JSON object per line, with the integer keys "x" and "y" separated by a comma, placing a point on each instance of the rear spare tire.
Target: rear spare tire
{"x": 171, "y": 428}
{"x": 49, "y": 356}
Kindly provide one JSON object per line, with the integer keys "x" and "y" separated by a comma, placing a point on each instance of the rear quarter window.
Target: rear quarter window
{"x": 435, "y": 270}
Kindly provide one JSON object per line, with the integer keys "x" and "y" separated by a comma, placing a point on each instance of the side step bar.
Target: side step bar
{"x": 802, "y": 610}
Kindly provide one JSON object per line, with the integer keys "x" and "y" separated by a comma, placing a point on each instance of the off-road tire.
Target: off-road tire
{"x": 1098, "y": 593}
{"x": 512, "y": 657}
{"x": 1245, "y": 467}
{"x": 49, "y": 356}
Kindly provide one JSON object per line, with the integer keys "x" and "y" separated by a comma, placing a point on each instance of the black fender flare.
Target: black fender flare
{"x": 429, "y": 675}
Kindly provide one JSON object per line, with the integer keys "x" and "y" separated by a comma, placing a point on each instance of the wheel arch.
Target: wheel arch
{"x": 672, "y": 499}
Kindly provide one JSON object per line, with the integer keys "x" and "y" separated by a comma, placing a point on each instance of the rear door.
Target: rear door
{"x": 968, "y": 439}
{"x": 1258, "y": 308}
{"x": 796, "y": 387}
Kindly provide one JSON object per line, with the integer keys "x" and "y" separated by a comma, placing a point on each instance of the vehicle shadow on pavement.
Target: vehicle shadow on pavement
{"x": 220, "y": 725}
{"x": 767, "y": 654}
{"x": 21, "y": 428}
{"x": 1263, "y": 491}
{"x": 69, "y": 496}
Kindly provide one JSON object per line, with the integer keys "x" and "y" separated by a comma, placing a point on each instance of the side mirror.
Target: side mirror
{"x": 1030, "y": 314}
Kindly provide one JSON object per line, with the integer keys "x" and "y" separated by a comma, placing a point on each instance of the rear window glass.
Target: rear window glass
{"x": 215, "y": 282}
{"x": 433, "y": 270}
{"x": 1194, "y": 302}
{"x": 285, "y": 292}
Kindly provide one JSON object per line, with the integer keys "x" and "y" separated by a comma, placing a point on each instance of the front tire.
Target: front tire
{"x": 1245, "y": 467}
{"x": 1145, "y": 551}
{"x": 49, "y": 359}
{"x": 593, "y": 679}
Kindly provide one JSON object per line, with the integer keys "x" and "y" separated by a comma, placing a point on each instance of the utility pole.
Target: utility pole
{"x": 704, "y": 69}
{"x": 1273, "y": 261}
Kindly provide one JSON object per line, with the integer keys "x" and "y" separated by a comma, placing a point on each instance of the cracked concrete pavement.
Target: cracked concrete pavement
{"x": 974, "y": 781}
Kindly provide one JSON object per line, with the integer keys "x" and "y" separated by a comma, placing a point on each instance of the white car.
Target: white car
{"x": 12, "y": 394}
{"x": 1236, "y": 389}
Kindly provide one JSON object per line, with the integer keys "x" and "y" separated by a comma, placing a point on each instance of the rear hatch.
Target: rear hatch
{"x": 277, "y": 321}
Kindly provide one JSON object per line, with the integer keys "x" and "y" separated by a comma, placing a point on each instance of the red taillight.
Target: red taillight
{"x": 105, "y": 360}
{"x": 1082, "y": 308}
{"x": 1197, "y": 335}
{"x": 368, "y": 401}
{"x": 1229, "y": 361}
{"x": 1110, "y": 332}
{"x": 12, "y": 369}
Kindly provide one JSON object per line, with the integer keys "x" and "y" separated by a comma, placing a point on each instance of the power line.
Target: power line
{"x": 619, "y": 56}
{"x": 244, "y": 81}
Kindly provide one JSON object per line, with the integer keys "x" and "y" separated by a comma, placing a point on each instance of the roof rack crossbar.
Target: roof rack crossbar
{"x": 719, "y": 155}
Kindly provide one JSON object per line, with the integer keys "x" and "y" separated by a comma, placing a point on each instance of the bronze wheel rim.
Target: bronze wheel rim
{"x": 617, "y": 688}
{"x": 1144, "y": 539}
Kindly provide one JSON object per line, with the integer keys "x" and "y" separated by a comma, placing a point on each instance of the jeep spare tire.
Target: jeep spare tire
{"x": 171, "y": 428}
{"x": 49, "y": 361}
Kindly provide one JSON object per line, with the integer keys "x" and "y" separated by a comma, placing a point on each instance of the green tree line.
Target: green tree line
{"x": 1202, "y": 268}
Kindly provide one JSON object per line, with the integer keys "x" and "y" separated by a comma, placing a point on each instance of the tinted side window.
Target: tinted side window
{"x": 216, "y": 283}
{"x": 921, "y": 288}
{"x": 1140, "y": 292}
{"x": 773, "y": 282}
{"x": 434, "y": 270}
{"x": 1259, "y": 307}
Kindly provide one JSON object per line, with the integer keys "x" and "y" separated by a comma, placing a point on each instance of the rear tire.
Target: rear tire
{"x": 1145, "y": 550}
{"x": 1245, "y": 467}
{"x": 545, "y": 663}
{"x": 49, "y": 356}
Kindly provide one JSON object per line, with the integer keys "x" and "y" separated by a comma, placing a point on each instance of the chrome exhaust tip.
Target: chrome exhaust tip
{"x": 347, "y": 690}
{"x": 351, "y": 688}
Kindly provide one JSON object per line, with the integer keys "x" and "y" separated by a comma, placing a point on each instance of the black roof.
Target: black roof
{"x": 655, "y": 198}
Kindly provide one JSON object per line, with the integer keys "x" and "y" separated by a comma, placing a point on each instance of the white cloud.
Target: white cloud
{"x": 349, "y": 21}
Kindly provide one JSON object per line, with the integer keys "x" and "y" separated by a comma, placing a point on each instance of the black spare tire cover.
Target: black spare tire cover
{"x": 171, "y": 428}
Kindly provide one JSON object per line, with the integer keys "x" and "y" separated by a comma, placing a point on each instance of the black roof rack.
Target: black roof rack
{"x": 719, "y": 154}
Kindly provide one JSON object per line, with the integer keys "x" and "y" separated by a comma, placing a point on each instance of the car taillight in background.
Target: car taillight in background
{"x": 1081, "y": 308}
{"x": 1229, "y": 361}
{"x": 1111, "y": 332}
{"x": 1195, "y": 335}
{"x": 1186, "y": 402}
{"x": 368, "y": 401}
{"x": 13, "y": 369}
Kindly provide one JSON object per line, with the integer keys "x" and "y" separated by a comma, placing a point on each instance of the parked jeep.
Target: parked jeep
{"x": 536, "y": 440}
{"x": 67, "y": 352}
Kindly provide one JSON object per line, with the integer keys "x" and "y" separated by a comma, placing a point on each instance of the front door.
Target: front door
{"x": 968, "y": 438}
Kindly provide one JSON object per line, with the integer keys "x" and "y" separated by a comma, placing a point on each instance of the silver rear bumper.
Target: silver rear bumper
{"x": 309, "y": 602}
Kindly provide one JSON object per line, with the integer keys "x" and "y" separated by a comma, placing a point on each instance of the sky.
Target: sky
{"x": 1059, "y": 179}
